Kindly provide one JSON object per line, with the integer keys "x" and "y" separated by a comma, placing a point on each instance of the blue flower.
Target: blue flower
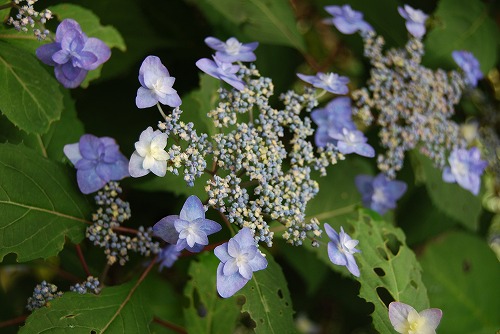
{"x": 330, "y": 82}
{"x": 156, "y": 85}
{"x": 336, "y": 115}
{"x": 239, "y": 259}
{"x": 341, "y": 249}
{"x": 167, "y": 256}
{"x": 232, "y": 50}
{"x": 149, "y": 154}
{"x": 466, "y": 168}
{"x": 379, "y": 193}
{"x": 347, "y": 20}
{"x": 352, "y": 141}
{"x": 415, "y": 20}
{"x": 470, "y": 65}
{"x": 188, "y": 230}
{"x": 221, "y": 70}
{"x": 97, "y": 160}
{"x": 73, "y": 54}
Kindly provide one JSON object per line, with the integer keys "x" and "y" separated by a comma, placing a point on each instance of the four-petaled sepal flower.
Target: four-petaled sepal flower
{"x": 341, "y": 249}
{"x": 221, "y": 70}
{"x": 73, "y": 54}
{"x": 156, "y": 85}
{"x": 415, "y": 20}
{"x": 379, "y": 193}
{"x": 352, "y": 141}
{"x": 188, "y": 230}
{"x": 149, "y": 154}
{"x": 470, "y": 65}
{"x": 239, "y": 258}
{"x": 232, "y": 50}
{"x": 406, "y": 320}
{"x": 331, "y": 82}
{"x": 347, "y": 20}
{"x": 466, "y": 168}
{"x": 97, "y": 160}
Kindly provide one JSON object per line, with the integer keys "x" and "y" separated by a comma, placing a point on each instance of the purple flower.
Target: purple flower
{"x": 330, "y": 82}
{"x": 470, "y": 65}
{"x": 352, "y": 141}
{"x": 406, "y": 320}
{"x": 232, "y": 50}
{"x": 335, "y": 115}
{"x": 188, "y": 230}
{"x": 73, "y": 54}
{"x": 98, "y": 161}
{"x": 341, "y": 249}
{"x": 347, "y": 20}
{"x": 379, "y": 193}
{"x": 156, "y": 85}
{"x": 149, "y": 154}
{"x": 167, "y": 256}
{"x": 239, "y": 259}
{"x": 221, "y": 70}
{"x": 415, "y": 20}
{"x": 466, "y": 168}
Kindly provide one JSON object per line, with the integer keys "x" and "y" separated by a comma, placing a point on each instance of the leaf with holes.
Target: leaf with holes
{"x": 40, "y": 205}
{"x": 206, "y": 311}
{"x": 29, "y": 96}
{"x": 267, "y": 300}
{"x": 117, "y": 309}
{"x": 462, "y": 275}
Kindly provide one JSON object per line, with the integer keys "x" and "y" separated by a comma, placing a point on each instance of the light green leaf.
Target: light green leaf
{"x": 29, "y": 96}
{"x": 270, "y": 22}
{"x": 118, "y": 309}
{"x": 387, "y": 265}
{"x": 267, "y": 300}
{"x": 67, "y": 130}
{"x": 207, "y": 312}
{"x": 462, "y": 274}
{"x": 450, "y": 198}
{"x": 462, "y": 25}
{"x": 40, "y": 205}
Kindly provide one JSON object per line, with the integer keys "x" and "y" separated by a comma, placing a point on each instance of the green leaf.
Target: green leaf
{"x": 462, "y": 25}
{"x": 118, "y": 309}
{"x": 270, "y": 22}
{"x": 450, "y": 198}
{"x": 40, "y": 205}
{"x": 67, "y": 130}
{"x": 267, "y": 300}
{"x": 29, "y": 96}
{"x": 389, "y": 268}
{"x": 462, "y": 274}
{"x": 172, "y": 183}
{"x": 206, "y": 311}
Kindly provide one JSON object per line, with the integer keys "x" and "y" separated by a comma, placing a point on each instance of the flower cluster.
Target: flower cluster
{"x": 91, "y": 285}
{"x": 111, "y": 213}
{"x": 27, "y": 18}
{"x": 73, "y": 54}
{"x": 42, "y": 293}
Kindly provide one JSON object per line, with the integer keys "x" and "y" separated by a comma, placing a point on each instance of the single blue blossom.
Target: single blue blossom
{"x": 239, "y": 258}
{"x": 379, "y": 193}
{"x": 415, "y": 20}
{"x": 347, "y": 20}
{"x": 341, "y": 249}
{"x": 330, "y": 82}
{"x": 167, "y": 256}
{"x": 97, "y": 160}
{"x": 188, "y": 230}
{"x": 336, "y": 114}
{"x": 149, "y": 154}
{"x": 73, "y": 54}
{"x": 156, "y": 85}
{"x": 470, "y": 65}
{"x": 232, "y": 50}
{"x": 466, "y": 168}
{"x": 406, "y": 320}
{"x": 352, "y": 141}
{"x": 221, "y": 70}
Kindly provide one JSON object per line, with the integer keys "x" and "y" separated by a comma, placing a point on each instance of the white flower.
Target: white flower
{"x": 149, "y": 154}
{"x": 407, "y": 320}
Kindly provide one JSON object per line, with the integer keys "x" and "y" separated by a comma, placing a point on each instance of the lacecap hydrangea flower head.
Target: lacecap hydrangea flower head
{"x": 97, "y": 160}
{"x": 188, "y": 230}
{"x": 239, "y": 258}
{"x": 73, "y": 54}
{"x": 379, "y": 193}
{"x": 406, "y": 320}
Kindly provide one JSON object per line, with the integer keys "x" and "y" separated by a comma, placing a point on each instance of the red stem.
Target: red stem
{"x": 12, "y": 322}
{"x": 82, "y": 260}
{"x": 169, "y": 325}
